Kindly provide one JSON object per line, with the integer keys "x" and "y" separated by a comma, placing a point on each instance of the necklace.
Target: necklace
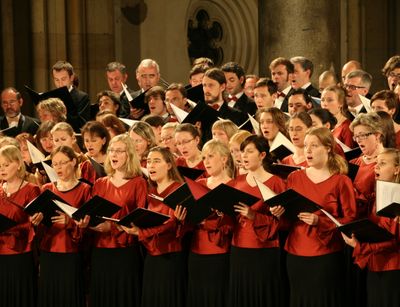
{"x": 5, "y": 188}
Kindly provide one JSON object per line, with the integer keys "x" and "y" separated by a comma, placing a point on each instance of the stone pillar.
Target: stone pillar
{"x": 7, "y": 26}
{"x": 310, "y": 28}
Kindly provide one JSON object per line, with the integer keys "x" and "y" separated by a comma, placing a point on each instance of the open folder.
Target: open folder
{"x": 387, "y": 199}
{"x": 142, "y": 218}
{"x": 293, "y": 202}
{"x": 283, "y": 170}
{"x": 364, "y": 230}
{"x": 281, "y": 147}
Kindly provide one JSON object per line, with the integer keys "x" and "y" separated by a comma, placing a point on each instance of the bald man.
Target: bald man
{"x": 350, "y": 66}
{"x": 327, "y": 78}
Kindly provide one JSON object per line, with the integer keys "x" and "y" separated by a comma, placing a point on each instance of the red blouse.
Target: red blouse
{"x": 165, "y": 238}
{"x": 289, "y": 161}
{"x": 17, "y": 240}
{"x": 60, "y": 238}
{"x": 382, "y": 256}
{"x": 213, "y": 235}
{"x": 262, "y": 232}
{"x": 129, "y": 196}
{"x": 87, "y": 171}
{"x": 364, "y": 183}
{"x": 336, "y": 196}
{"x": 344, "y": 134}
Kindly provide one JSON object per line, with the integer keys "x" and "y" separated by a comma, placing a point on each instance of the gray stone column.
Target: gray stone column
{"x": 310, "y": 28}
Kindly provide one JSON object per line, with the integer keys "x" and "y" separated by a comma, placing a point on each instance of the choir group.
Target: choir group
{"x": 328, "y": 152}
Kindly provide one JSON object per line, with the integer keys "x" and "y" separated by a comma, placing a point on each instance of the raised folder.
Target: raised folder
{"x": 283, "y": 170}
{"x": 366, "y": 231}
{"x": 62, "y": 93}
{"x": 44, "y": 204}
{"x": 294, "y": 203}
{"x": 281, "y": 147}
{"x": 387, "y": 199}
{"x": 10, "y": 131}
{"x": 192, "y": 173}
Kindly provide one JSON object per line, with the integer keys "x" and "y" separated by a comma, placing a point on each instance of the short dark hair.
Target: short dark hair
{"x": 63, "y": 65}
{"x": 98, "y": 129}
{"x": 305, "y": 63}
{"x": 300, "y": 91}
{"x": 391, "y": 64}
{"x": 178, "y": 87}
{"x": 271, "y": 85}
{"x": 155, "y": 91}
{"x": 282, "y": 61}
{"x": 325, "y": 116}
{"x": 154, "y": 120}
{"x": 236, "y": 69}
{"x": 216, "y": 74}
{"x": 261, "y": 145}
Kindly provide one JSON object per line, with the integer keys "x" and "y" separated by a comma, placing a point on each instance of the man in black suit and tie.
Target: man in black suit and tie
{"x": 235, "y": 78}
{"x": 281, "y": 73}
{"x": 214, "y": 85}
{"x": 117, "y": 75}
{"x": 357, "y": 82}
{"x": 63, "y": 75}
{"x": 303, "y": 70}
{"x": 11, "y": 103}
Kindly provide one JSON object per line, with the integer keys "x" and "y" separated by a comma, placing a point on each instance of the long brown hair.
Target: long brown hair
{"x": 336, "y": 163}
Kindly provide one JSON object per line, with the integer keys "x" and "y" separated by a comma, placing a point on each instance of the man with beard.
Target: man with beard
{"x": 11, "y": 103}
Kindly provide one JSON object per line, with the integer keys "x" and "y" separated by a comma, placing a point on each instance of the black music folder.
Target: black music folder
{"x": 44, "y": 204}
{"x": 224, "y": 197}
{"x": 187, "y": 197}
{"x": 366, "y": 231}
{"x": 62, "y": 93}
{"x": 143, "y": 218}
{"x": 192, "y": 173}
{"x": 96, "y": 208}
{"x": 6, "y": 223}
{"x": 293, "y": 202}
{"x": 283, "y": 170}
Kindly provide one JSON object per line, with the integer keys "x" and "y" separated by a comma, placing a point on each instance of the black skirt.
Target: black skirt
{"x": 61, "y": 280}
{"x": 255, "y": 277}
{"x": 208, "y": 280}
{"x": 383, "y": 289}
{"x": 17, "y": 280}
{"x": 316, "y": 281}
{"x": 115, "y": 277}
{"x": 164, "y": 281}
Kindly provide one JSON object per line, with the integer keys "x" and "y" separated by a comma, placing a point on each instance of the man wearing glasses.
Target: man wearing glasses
{"x": 391, "y": 71}
{"x": 11, "y": 103}
{"x": 357, "y": 82}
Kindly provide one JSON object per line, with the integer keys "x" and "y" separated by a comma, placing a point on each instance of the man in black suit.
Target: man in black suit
{"x": 63, "y": 75}
{"x": 235, "y": 78}
{"x": 303, "y": 70}
{"x": 11, "y": 103}
{"x": 357, "y": 82}
{"x": 147, "y": 76}
{"x": 214, "y": 85}
{"x": 117, "y": 75}
{"x": 281, "y": 73}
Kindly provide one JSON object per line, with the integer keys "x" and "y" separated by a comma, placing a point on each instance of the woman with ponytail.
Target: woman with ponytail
{"x": 315, "y": 260}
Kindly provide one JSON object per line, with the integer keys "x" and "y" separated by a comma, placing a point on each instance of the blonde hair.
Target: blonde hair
{"x": 132, "y": 167}
{"x": 13, "y": 154}
{"x": 63, "y": 127}
{"x": 225, "y": 125}
{"x": 56, "y": 107}
{"x": 395, "y": 154}
{"x": 215, "y": 146}
{"x": 239, "y": 137}
{"x": 336, "y": 163}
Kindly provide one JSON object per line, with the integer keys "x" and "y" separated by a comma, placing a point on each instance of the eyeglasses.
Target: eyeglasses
{"x": 394, "y": 75}
{"x": 184, "y": 142}
{"x": 362, "y": 136}
{"x": 61, "y": 163}
{"x": 117, "y": 151}
{"x": 166, "y": 139}
{"x": 352, "y": 87}
{"x": 297, "y": 129}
